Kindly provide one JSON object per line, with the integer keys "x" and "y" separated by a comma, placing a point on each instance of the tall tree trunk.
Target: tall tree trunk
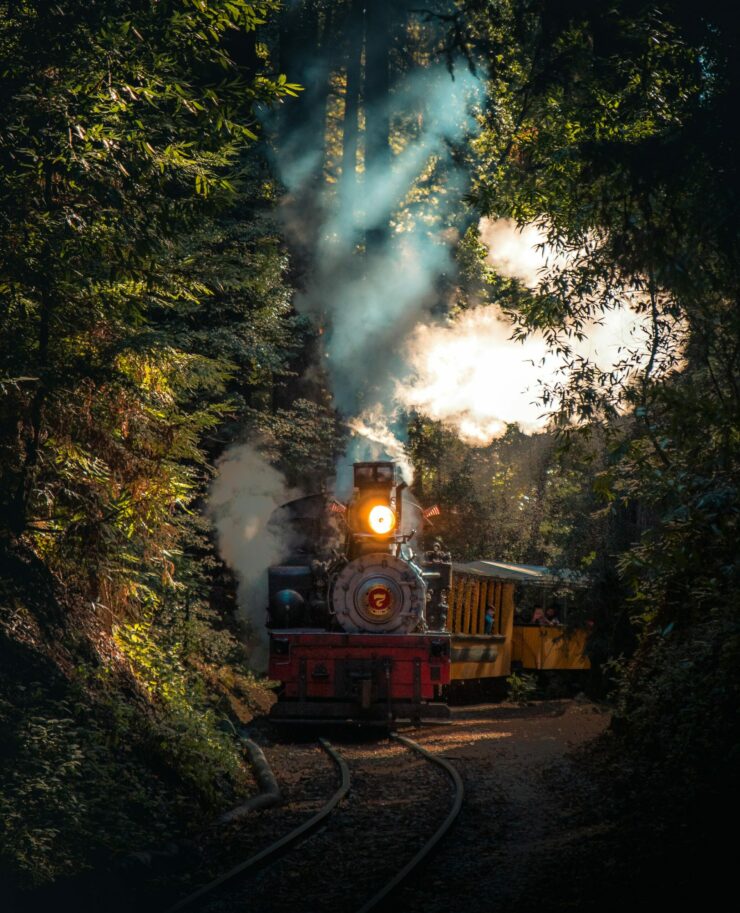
{"x": 298, "y": 50}
{"x": 301, "y": 138}
{"x": 376, "y": 101}
{"x": 34, "y": 421}
{"x": 350, "y": 138}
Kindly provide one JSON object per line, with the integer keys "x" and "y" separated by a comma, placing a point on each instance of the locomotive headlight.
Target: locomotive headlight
{"x": 382, "y": 520}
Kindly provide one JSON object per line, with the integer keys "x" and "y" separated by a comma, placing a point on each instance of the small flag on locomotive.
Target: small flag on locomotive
{"x": 357, "y": 617}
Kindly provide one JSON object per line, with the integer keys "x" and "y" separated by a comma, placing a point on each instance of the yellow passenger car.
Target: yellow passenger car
{"x": 512, "y": 641}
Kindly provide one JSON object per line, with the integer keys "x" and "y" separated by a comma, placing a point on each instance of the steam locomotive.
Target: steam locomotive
{"x": 356, "y": 616}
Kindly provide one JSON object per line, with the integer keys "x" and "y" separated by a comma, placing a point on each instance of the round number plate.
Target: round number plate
{"x": 379, "y": 600}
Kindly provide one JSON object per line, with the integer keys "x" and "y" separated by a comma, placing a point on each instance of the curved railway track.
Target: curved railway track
{"x": 426, "y": 849}
{"x": 271, "y": 854}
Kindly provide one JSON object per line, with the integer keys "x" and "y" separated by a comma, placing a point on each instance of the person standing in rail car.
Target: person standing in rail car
{"x": 488, "y": 620}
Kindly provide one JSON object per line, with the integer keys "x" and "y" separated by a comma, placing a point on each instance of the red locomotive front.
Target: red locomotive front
{"x": 358, "y": 631}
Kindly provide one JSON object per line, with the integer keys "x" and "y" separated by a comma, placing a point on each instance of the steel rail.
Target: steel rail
{"x": 438, "y": 834}
{"x": 280, "y": 846}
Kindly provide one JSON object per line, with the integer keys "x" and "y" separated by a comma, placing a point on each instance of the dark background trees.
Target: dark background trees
{"x": 145, "y": 314}
{"x": 614, "y": 126}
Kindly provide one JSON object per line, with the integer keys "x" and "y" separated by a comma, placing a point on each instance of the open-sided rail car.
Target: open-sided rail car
{"x": 512, "y": 642}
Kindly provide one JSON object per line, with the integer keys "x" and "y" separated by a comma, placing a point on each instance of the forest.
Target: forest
{"x": 243, "y": 245}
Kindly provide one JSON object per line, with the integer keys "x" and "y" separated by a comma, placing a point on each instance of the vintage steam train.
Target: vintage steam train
{"x": 364, "y": 627}
{"x": 356, "y": 617}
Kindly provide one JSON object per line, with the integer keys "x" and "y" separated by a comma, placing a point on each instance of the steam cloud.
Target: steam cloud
{"x": 470, "y": 375}
{"x": 371, "y": 305}
{"x": 468, "y": 372}
{"x": 520, "y": 253}
{"x": 243, "y": 496}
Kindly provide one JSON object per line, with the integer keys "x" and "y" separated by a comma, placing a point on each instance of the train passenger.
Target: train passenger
{"x": 547, "y": 617}
{"x": 551, "y": 614}
{"x": 488, "y": 620}
{"x": 443, "y": 610}
{"x": 437, "y": 554}
{"x": 538, "y": 617}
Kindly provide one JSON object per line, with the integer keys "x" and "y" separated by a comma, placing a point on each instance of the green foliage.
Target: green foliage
{"x": 194, "y": 743}
{"x": 520, "y": 499}
{"x": 615, "y": 132}
{"x": 304, "y": 441}
{"x": 114, "y": 759}
{"x": 522, "y": 687}
{"x": 123, "y": 135}
{"x": 676, "y": 719}
{"x": 39, "y": 798}
{"x": 627, "y": 172}
{"x": 145, "y": 310}
{"x": 76, "y": 783}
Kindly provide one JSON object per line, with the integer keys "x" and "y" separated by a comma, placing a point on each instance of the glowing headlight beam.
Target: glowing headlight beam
{"x": 381, "y": 519}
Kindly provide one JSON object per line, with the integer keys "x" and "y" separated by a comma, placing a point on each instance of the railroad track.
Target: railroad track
{"x": 270, "y": 855}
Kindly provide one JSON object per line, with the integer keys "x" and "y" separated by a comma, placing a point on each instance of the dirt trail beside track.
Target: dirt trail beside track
{"x": 521, "y": 819}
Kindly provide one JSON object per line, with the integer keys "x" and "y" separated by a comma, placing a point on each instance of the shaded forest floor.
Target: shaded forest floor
{"x": 519, "y": 819}
{"x": 543, "y": 828}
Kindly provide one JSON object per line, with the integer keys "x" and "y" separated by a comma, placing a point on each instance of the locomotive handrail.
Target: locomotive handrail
{"x": 283, "y": 843}
{"x": 436, "y": 836}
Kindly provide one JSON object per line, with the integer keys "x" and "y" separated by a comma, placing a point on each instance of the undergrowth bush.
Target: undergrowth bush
{"x": 522, "y": 687}
{"x": 676, "y": 713}
{"x": 187, "y": 729}
{"x": 74, "y": 789}
{"x": 99, "y": 763}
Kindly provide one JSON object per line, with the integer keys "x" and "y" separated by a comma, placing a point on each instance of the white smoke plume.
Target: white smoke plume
{"x": 520, "y": 253}
{"x": 373, "y": 436}
{"x": 376, "y": 435}
{"x": 243, "y": 496}
{"x": 370, "y": 304}
{"x": 469, "y": 374}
